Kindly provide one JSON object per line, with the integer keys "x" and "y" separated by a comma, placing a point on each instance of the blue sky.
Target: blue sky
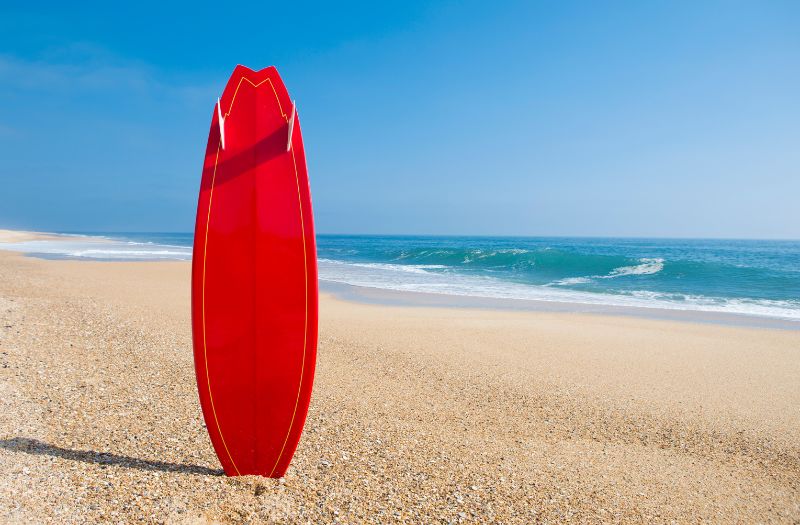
{"x": 514, "y": 118}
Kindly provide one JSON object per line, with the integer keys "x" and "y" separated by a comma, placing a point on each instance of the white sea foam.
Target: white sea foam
{"x": 408, "y": 268}
{"x": 572, "y": 280}
{"x": 645, "y": 267}
{"x": 391, "y": 277}
{"x": 474, "y": 255}
{"x": 86, "y": 247}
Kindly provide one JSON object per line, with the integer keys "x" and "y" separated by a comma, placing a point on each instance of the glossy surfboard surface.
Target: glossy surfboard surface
{"x": 254, "y": 278}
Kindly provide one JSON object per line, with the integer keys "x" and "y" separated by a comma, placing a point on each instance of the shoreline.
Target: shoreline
{"x": 730, "y": 311}
{"x": 388, "y": 297}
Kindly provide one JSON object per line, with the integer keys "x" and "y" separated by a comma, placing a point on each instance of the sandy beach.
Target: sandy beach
{"x": 25, "y": 236}
{"x": 419, "y": 414}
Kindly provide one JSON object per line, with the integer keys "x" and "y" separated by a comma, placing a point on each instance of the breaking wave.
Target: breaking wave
{"x": 646, "y": 267}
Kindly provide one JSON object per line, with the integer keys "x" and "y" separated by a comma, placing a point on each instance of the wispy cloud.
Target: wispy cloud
{"x": 8, "y": 131}
{"x": 45, "y": 75}
{"x": 87, "y": 68}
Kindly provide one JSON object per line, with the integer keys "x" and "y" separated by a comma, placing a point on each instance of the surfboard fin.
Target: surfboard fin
{"x": 291, "y": 126}
{"x": 221, "y": 120}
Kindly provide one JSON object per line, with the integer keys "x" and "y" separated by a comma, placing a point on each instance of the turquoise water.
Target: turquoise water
{"x": 743, "y": 276}
{"x": 740, "y": 276}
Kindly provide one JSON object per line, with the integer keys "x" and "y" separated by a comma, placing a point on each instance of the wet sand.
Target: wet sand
{"x": 419, "y": 414}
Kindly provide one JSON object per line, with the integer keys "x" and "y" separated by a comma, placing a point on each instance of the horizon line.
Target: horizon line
{"x": 465, "y": 235}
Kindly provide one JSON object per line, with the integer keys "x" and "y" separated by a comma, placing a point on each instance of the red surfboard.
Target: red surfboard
{"x": 254, "y": 278}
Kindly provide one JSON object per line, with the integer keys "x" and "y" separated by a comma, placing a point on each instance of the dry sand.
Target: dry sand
{"x": 23, "y": 236}
{"x": 419, "y": 415}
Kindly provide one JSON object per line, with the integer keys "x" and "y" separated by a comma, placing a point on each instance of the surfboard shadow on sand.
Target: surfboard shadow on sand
{"x": 39, "y": 448}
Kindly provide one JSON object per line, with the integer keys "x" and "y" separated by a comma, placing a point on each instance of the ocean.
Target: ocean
{"x": 737, "y": 276}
